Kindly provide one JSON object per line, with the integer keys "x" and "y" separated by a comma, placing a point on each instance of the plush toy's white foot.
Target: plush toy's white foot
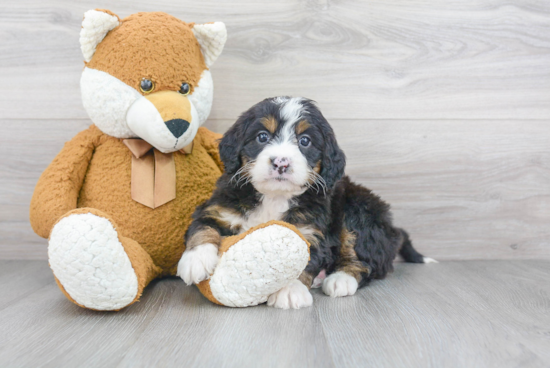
{"x": 90, "y": 262}
{"x": 295, "y": 295}
{"x": 198, "y": 263}
{"x": 340, "y": 284}
{"x": 260, "y": 264}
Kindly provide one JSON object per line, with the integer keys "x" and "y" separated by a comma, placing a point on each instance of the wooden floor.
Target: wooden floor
{"x": 452, "y": 314}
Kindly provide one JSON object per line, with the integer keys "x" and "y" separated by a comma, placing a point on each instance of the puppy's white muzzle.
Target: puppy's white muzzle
{"x": 280, "y": 168}
{"x": 167, "y": 120}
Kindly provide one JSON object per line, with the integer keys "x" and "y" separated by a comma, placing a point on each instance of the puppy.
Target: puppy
{"x": 282, "y": 162}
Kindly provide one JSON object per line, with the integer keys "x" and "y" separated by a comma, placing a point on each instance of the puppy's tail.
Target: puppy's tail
{"x": 408, "y": 252}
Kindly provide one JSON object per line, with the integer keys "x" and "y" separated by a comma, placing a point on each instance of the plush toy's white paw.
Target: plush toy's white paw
{"x": 259, "y": 265}
{"x": 198, "y": 264}
{"x": 340, "y": 284}
{"x": 295, "y": 295}
{"x": 90, "y": 262}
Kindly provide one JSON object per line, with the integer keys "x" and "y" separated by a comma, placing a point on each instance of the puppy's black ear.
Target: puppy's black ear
{"x": 334, "y": 159}
{"x": 232, "y": 141}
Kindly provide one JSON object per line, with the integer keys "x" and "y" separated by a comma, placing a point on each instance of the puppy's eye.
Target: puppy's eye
{"x": 146, "y": 85}
{"x": 305, "y": 141}
{"x": 263, "y": 137}
{"x": 184, "y": 89}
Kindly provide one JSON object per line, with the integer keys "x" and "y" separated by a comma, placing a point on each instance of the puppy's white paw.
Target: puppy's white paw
{"x": 295, "y": 295}
{"x": 340, "y": 284}
{"x": 198, "y": 264}
{"x": 429, "y": 260}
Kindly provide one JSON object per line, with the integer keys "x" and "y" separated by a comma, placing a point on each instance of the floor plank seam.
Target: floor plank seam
{"x": 24, "y": 296}
{"x": 325, "y": 337}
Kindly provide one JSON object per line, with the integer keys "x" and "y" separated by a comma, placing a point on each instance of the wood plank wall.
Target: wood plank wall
{"x": 443, "y": 107}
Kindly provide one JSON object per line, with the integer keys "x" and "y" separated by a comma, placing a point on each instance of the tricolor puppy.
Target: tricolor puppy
{"x": 282, "y": 162}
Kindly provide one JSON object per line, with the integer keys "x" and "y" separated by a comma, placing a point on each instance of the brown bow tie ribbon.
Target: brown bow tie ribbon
{"x": 153, "y": 173}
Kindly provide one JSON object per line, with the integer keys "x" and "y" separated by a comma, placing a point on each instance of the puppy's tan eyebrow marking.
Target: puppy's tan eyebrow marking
{"x": 270, "y": 123}
{"x": 302, "y": 126}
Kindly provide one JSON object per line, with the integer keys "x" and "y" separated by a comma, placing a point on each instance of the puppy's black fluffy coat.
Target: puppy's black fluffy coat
{"x": 350, "y": 228}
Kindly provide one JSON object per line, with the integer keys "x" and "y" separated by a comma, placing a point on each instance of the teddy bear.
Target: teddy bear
{"x": 116, "y": 201}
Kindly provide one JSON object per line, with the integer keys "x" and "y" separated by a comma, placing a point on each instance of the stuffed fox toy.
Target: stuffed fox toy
{"x": 116, "y": 201}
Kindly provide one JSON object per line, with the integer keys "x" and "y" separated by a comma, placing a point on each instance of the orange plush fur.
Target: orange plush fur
{"x": 92, "y": 173}
{"x": 132, "y": 51}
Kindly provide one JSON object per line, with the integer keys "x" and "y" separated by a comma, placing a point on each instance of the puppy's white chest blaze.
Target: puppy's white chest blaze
{"x": 270, "y": 208}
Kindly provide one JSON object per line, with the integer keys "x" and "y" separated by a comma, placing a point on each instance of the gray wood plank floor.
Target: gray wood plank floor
{"x": 453, "y": 314}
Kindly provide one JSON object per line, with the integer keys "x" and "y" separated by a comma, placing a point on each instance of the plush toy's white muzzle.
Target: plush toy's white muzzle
{"x": 167, "y": 120}
{"x": 122, "y": 112}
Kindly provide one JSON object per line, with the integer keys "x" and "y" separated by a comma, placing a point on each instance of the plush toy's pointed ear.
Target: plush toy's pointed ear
{"x": 96, "y": 24}
{"x": 211, "y": 37}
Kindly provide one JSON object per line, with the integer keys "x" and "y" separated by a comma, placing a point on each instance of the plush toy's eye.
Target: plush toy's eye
{"x": 305, "y": 141}
{"x": 263, "y": 137}
{"x": 146, "y": 86}
{"x": 185, "y": 88}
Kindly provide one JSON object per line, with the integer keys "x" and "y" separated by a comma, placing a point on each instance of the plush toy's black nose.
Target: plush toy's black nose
{"x": 177, "y": 126}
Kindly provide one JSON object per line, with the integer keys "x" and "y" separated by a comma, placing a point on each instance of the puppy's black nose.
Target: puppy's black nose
{"x": 177, "y": 126}
{"x": 280, "y": 164}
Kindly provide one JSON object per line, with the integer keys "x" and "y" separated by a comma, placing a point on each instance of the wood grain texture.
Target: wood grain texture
{"x": 361, "y": 60}
{"x": 463, "y": 189}
{"x": 27, "y": 150}
{"x": 462, "y": 314}
{"x": 454, "y": 314}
